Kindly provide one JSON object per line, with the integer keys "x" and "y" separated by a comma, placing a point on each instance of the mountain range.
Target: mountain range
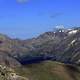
{"x": 61, "y": 45}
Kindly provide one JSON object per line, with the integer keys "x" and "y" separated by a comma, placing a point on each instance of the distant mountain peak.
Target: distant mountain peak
{"x": 3, "y": 37}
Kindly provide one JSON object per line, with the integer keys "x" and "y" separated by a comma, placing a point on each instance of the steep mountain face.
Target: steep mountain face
{"x": 62, "y": 45}
{"x": 71, "y": 48}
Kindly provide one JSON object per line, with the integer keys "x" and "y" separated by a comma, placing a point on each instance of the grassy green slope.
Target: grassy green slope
{"x": 50, "y": 71}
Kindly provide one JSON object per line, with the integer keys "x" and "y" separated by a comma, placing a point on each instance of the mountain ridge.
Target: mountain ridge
{"x": 49, "y": 45}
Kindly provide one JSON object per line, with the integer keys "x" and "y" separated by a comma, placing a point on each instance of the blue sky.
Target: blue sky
{"x": 26, "y": 19}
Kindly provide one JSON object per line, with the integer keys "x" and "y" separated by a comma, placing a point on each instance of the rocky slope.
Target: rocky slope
{"x": 7, "y": 73}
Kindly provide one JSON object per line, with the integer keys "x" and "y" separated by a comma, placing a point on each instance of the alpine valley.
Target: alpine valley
{"x": 53, "y": 55}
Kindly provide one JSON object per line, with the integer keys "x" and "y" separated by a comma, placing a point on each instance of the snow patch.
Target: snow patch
{"x": 73, "y": 32}
{"x": 73, "y": 42}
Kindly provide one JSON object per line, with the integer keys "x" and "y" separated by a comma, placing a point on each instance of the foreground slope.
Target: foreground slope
{"x": 7, "y": 73}
{"x": 47, "y": 70}
{"x": 50, "y": 70}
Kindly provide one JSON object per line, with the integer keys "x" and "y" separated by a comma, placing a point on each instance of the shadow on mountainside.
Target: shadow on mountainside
{"x": 73, "y": 71}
